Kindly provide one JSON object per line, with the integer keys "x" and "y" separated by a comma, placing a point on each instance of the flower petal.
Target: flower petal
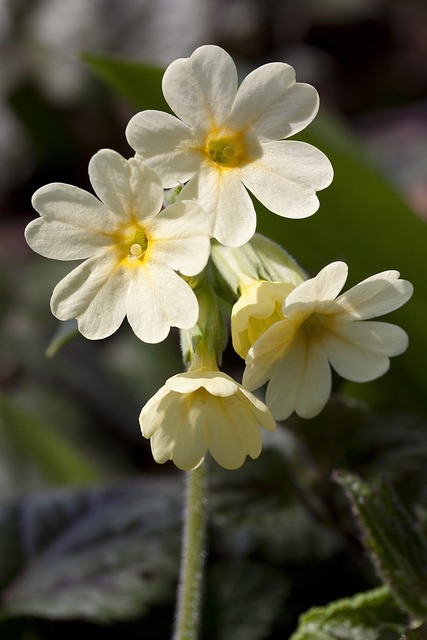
{"x": 154, "y": 410}
{"x": 302, "y": 383}
{"x": 232, "y": 431}
{"x": 166, "y": 144}
{"x": 94, "y": 293}
{"x": 272, "y": 103}
{"x": 375, "y": 296}
{"x": 317, "y": 293}
{"x": 227, "y": 203}
{"x": 159, "y": 299}
{"x": 360, "y": 350}
{"x": 287, "y": 176}
{"x": 201, "y": 89}
{"x": 179, "y": 237}
{"x": 73, "y": 224}
{"x": 109, "y": 174}
{"x": 215, "y": 382}
{"x": 264, "y": 356}
{"x": 181, "y": 435}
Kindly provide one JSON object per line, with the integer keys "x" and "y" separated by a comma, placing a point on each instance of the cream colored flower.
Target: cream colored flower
{"x": 320, "y": 330}
{"x": 200, "y": 411}
{"x": 228, "y": 138}
{"x": 259, "y": 306}
{"x": 131, "y": 248}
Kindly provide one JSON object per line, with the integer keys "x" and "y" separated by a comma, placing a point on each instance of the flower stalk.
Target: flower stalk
{"x": 190, "y": 589}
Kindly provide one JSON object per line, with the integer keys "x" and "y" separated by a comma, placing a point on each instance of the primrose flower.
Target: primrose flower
{"x": 228, "y": 138}
{"x": 204, "y": 410}
{"x": 132, "y": 250}
{"x": 259, "y": 306}
{"x": 320, "y": 330}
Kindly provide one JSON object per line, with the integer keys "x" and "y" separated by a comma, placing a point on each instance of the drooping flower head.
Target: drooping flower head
{"x": 228, "y": 138}
{"x": 132, "y": 250}
{"x": 321, "y": 329}
{"x": 200, "y": 411}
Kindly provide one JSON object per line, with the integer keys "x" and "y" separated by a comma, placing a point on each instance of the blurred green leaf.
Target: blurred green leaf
{"x": 366, "y": 616}
{"x": 395, "y": 543}
{"x": 140, "y": 83}
{"x": 65, "y": 333}
{"x": 56, "y": 458}
{"x": 240, "y": 605}
{"x": 100, "y": 555}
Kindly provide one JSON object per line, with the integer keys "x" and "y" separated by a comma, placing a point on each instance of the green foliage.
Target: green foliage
{"x": 57, "y": 459}
{"x": 365, "y": 616}
{"x": 101, "y": 555}
{"x": 396, "y": 545}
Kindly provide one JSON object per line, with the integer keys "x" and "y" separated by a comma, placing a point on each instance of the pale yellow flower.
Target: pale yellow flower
{"x": 200, "y": 411}
{"x": 229, "y": 139}
{"x": 259, "y": 306}
{"x": 131, "y": 249}
{"x": 321, "y": 329}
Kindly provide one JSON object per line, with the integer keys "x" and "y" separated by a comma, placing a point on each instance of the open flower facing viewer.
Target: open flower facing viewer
{"x": 320, "y": 329}
{"x": 228, "y": 138}
{"x": 132, "y": 250}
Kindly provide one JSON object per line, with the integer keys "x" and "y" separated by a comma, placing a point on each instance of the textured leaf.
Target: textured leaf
{"x": 366, "y": 616}
{"x": 397, "y": 547}
{"x": 99, "y": 555}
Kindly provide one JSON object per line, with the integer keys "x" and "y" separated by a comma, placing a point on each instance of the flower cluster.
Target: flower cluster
{"x": 149, "y": 262}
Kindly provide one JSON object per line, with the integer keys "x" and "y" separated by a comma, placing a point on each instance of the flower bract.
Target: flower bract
{"x": 200, "y": 411}
{"x": 227, "y": 139}
{"x": 321, "y": 329}
{"x": 132, "y": 250}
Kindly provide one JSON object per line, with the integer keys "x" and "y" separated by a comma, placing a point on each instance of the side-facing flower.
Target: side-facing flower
{"x": 321, "y": 329}
{"x": 228, "y": 138}
{"x": 259, "y": 306}
{"x": 132, "y": 250}
{"x": 204, "y": 410}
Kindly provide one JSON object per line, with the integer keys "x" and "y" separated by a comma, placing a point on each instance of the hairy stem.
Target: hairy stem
{"x": 193, "y": 557}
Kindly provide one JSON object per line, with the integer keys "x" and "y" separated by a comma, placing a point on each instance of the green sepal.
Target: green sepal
{"x": 258, "y": 259}
{"x": 396, "y": 545}
{"x": 208, "y": 338}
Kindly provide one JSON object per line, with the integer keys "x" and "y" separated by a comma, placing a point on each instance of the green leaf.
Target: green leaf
{"x": 56, "y": 458}
{"x": 396, "y": 545}
{"x": 140, "y": 83}
{"x": 65, "y": 333}
{"x": 240, "y": 605}
{"x": 99, "y": 555}
{"x": 366, "y": 616}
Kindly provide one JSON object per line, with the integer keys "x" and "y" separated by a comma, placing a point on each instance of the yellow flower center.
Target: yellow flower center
{"x": 138, "y": 245}
{"x": 132, "y": 246}
{"x": 227, "y": 150}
